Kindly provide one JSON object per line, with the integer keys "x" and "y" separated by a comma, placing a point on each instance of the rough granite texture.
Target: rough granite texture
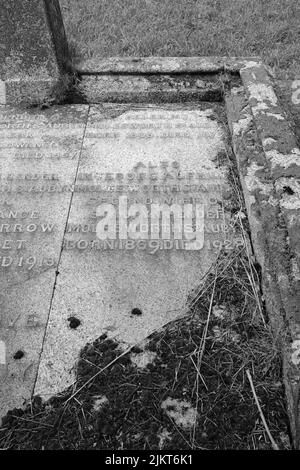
{"x": 34, "y": 48}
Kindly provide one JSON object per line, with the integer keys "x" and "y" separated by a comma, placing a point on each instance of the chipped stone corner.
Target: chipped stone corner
{"x": 268, "y": 162}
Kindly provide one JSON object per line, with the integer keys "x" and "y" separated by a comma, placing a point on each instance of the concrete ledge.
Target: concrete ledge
{"x": 155, "y": 65}
{"x": 150, "y": 88}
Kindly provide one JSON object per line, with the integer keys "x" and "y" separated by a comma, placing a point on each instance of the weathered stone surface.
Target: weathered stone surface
{"x": 100, "y": 284}
{"x": 148, "y": 65}
{"x": 150, "y": 88}
{"x": 39, "y": 154}
{"x": 268, "y": 160}
{"x": 101, "y": 287}
{"x": 289, "y": 93}
{"x": 34, "y": 48}
{"x": 282, "y": 153}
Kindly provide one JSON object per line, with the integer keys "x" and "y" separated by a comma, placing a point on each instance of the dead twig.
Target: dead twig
{"x": 274, "y": 445}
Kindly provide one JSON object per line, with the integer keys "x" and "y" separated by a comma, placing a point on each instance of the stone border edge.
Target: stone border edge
{"x": 162, "y": 65}
{"x": 32, "y": 90}
{"x": 268, "y": 163}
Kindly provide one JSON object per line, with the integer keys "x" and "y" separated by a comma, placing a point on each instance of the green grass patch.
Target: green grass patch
{"x": 268, "y": 28}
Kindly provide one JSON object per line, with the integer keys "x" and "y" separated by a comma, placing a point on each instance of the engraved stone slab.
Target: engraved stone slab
{"x": 124, "y": 269}
{"x": 39, "y": 153}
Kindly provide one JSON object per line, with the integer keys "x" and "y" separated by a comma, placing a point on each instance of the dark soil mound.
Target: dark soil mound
{"x": 193, "y": 393}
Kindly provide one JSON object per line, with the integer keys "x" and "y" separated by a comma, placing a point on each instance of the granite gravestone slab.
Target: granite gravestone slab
{"x": 39, "y": 153}
{"x": 34, "y": 49}
{"x": 146, "y": 223}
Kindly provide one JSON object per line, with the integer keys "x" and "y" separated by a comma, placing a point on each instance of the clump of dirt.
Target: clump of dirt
{"x": 74, "y": 322}
{"x": 192, "y": 392}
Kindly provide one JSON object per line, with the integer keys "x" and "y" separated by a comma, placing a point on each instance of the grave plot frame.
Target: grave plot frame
{"x": 268, "y": 160}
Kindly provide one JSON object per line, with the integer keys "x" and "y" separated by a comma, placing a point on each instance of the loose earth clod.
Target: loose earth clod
{"x": 74, "y": 322}
{"x": 136, "y": 311}
{"x": 19, "y": 354}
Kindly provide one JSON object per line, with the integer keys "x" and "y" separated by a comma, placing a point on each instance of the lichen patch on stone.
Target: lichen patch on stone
{"x": 242, "y": 125}
{"x": 295, "y": 269}
{"x": 251, "y": 64}
{"x": 290, "y": 188}
{"x": 283, "y": 159}
{"x": 264, "y": 95}
{"x": 253, "y": 181}
{"x": 268, "y": 141}
{"x": 296, "y": 352}
{"x": 277, "y": 116}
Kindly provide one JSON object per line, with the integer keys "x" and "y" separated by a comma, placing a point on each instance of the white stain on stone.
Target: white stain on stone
{"x": 289, "y": 201}
{"x": 141, "y": 360}
{"x": 242, "y": 125}
{"x": 277, "y": 116}
{"x": 292, "y": 218}
{"x": 296, "y": 94}
{"x": 99, "y": 403}
{"x": 171, "y": 63}
{"x": 2, "y": 92}
{"x": 264, "y": 95}
{"x": 296, "y": 352}
{"x": 292, "y": 203}
{"x": 295, "y": 269}
{"x": 283, "y": 159}
{"x": 268, "y": 141}
{"x": 181, "y": 411}
{"x": 250, "y": 65}
{"x": 2, "y": 353}
{"x": 283, "y": 279}
{"x": 237, "y": 90}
